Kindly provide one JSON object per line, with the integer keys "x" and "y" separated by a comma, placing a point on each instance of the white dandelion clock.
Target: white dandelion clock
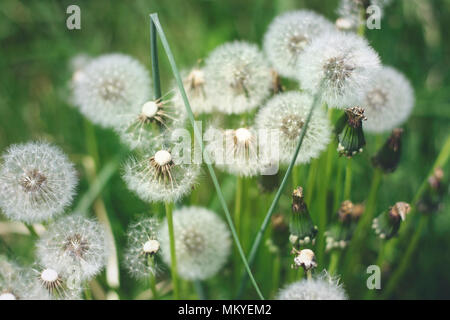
{"x": 142, "y": 128}
{"x": 143, "y": 245}
{"x": 343, "y": 64}
{"x": 112, "y": 85}
{"x": 323, "y": 287}
{"x": 37, "y": 182}
{"x": 388, "y": 102}
{"x": 239, "y": 77}
{"x": 287, "y": 113}
{"x": 289, "y": 34}
{"x": 194, "y": 83}
{"x": 234, "y": 150}
{"x": 158, "y": 175}
{"x": 74, "y": 246}
{"x": 202, "y": 242}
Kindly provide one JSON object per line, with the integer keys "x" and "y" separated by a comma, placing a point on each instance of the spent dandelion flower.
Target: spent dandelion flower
{"x": 349, "y": 132}
{"x": 343, "y": 64}
{"x": 142, "y": 247}
{"x": 286, "y": 113}
{"x": 112, "y": 85}
{"x": 340, "y": 233}
{"x": 57, "y": 284}
{"x": 387, "y": 224}
{"x": 234, "y": 150}
{"x": 37, "y": 182}
{"x": 304, "y": 258}
{"x": 433, "y": 198}
{"x": 388, "y": 102}
{"x": 388, "y": 157}
{"x": 322, "y": 287}
{"x": 194, "y": 83}
{"x": 202, "y": 242}
{"x": 301, "y": 227}
{"x": 159, "y": 175}
{"x": 141, "y": 128}
{"x": 239, "y": 77}
{"x": 75, "y": 246}
{"x": 288, "y": 35}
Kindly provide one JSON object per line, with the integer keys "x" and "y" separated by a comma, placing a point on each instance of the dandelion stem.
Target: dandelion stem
{"x": 295, "y": 178}
{"x": 310, "y": 182}
{"x": 33, "y": 232}
{"x": 198, "y": 137}
{"x": 334, "y": 262}
{"x": 152, "y": 277}
{"x": 200, "y": 290}
{"x": 173, "y": 256}
{"x": 264, "y": 225}
{"x": 348, "y": 180}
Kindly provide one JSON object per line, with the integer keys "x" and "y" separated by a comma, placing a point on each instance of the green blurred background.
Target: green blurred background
{"x": 36, "y": 48}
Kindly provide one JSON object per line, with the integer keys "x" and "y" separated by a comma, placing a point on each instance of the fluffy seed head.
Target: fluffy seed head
{"x": 202, "y": 242}
{"x": 37, "y": 181}
{"x": 112, "y": 86}
{"x": 238, "y": 77}
{"x": 287, "y": 114}
{"x": 320, "y": 288}
{"x": 344, "y": 63}
{"x": 235, "y": 151}
{"x": 156, "y": 176}
{"x": 142, "y": 246}
{"x": 388, "y": 102}
{"x": 74, "y": 245}
{"x": 288, "y": 35}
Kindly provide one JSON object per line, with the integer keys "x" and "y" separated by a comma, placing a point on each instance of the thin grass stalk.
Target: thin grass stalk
{"x": 262, "y": 229}
{"x": 173, "y": 256}
{"x": 198, "y": 137}
{"x": 32, "y": 231}
{"x": 155, "y": 64}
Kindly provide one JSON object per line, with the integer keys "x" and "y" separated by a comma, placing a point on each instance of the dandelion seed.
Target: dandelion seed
{"x": 389, "y": 100}
{"x": 323, "y": 287}
{"x": 288, "y": 35}
{"x": 37, "y": 182}
{"x": 286, "y": 113}
{"x": 343, "y": 64}
{"x": 157, "y": 176}
{"x": 142, "y": 247}
{"x": 75, "y": 246}
{"x": 235, "y": 151}
{"x": 112, "y": 87}
{"x": 202, "y": 242}
{"x": 239, "y": 77}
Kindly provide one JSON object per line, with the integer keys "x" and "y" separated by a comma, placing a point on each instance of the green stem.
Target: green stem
{"x": 33, "y": 232}
{"x": 199, "y": 139}
{"x": 338, "y": 186}
{"x": 155, "y": 64}
{"x": 262, "y": 229}
{"x": 238, "y": 204}
{"x": 276, "y": 272}
{"x": 348, "y": 180}
{"x": 152, "y": 278}
{"x": 200, "y": 290}
{"x": 173, "y": 256}
{"x": 295, "y": 178}
{"x": 87, "y": 292}
{"x": 334, "y": 262}
{"x": 310, "y": 182}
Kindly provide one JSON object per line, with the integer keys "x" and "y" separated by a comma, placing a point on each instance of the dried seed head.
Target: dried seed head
{"x": 50, "y": 279}
{"x": 202, "y": 242}
{"x": 387, "y": 224}
{"x": 151, "y": 247}
{"x": 400, "y": 210}
{"x": 286, "y": 114}
{"x": 289, "y": 34}
{"x": 388, "y": 157}
{"x": 340, "y": 65}
{"x": 37, "y": 182}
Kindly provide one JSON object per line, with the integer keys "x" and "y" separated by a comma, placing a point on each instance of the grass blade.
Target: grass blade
{"x": 199, "y": 140}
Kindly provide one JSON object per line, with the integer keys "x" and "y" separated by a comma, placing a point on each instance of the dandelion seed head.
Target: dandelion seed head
{"x": 288, "y": 35}
{"x": 389, "y": 100}
{"x": 74, "y": 244}
{"x": 202, "y": 242}
{"x": 234, "y": 150}
{"x": 287, "y": 113}
{"x": 343, "y": 62}
{"x": 142, "y": 246}
{"x": 112, "y": 86}
{"x": 238, "y": 77}
{"x": 156, "y": 176}
{"x": 322, "y": 287}
{"x": 37, "y": 182}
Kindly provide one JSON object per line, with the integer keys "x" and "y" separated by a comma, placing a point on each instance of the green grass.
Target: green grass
{"x": 36, "y": 48}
